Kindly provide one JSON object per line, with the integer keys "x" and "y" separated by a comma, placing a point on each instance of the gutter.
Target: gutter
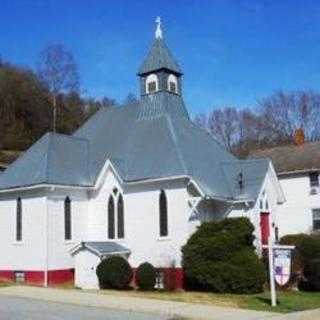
{"x": 285, "y": 173}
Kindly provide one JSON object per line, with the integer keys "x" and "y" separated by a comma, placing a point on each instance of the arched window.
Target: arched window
{"x": 172, "y": 83}
{"x": 111, "y": 233}
{"x": 19, "y": 220}
{"x": 115, "y": 215}
{"x": 120, "y": 217}
{"x": 67, "y": 219}
{"x": 152, "y": 83}
{"x": 163, "y": 214}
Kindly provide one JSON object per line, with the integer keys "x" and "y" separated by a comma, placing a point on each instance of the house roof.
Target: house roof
{"x": 293, "y": 158}
{"x": 159, "y": 57}
{"x": 101, "y": 248}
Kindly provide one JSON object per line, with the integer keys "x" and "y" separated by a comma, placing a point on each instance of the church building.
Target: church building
{"x": 134, "y": 180}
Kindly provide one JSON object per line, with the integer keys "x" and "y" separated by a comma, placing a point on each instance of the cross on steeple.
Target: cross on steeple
{"x": 158, "y": 29}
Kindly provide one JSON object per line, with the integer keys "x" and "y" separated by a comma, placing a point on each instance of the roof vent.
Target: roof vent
{"x": 299, "y": 137}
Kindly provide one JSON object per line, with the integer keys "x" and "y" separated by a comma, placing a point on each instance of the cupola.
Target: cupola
{"x": 159, "y": 71}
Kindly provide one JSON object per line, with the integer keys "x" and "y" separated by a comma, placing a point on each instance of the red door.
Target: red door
{"x": 264, "y": 227}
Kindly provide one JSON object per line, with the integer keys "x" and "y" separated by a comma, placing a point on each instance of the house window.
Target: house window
{"x": 67, "y": 219}
{"x": 163, "y": 216}
{"x": 314, "y": 179}
{"x": 111, "y": 218}
{"x": 316, "y": 219}
{"x": 19, "y": 220}
{"x": 172, "y": 83}
{"x": 115, "y": 215}
{"x": 151, "y": 83}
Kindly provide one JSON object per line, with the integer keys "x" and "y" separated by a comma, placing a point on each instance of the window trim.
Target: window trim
{"x": 111, "y": 219}
{"x": 68, "y": 217}
{"x": 313, "y": 211}
{"x": 18, "y": 221}
{"x": 120, "y": 227}
{"x": 314, "y": 183}
{"x": 172, "y": 79}
{"x": 152, "y": 78}
{"x": 116, "y": 196}
{"x": 163, "y": 205}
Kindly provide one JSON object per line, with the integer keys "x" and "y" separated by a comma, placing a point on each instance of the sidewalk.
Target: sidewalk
{"x": 166, "y": 308}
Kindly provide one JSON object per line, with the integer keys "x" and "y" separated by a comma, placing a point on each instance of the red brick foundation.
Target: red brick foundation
{"x": 38, "y": 277}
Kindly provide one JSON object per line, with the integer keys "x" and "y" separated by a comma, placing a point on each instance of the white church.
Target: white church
{"x": 135, "y": 180}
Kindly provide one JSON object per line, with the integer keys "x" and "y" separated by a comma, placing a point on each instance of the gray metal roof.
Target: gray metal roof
{"x": 159, "y": 57}
{"x": 153, "y": 138}
{"x": 102, "y": 248}
{"x": 253, "y": 175}
{"x": 54, "y": 159}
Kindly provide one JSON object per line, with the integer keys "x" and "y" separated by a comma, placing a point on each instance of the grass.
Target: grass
{"x": 4, "y": 283}
{"x": 288, "y": 301}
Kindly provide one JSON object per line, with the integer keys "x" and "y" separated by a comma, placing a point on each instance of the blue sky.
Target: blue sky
{"x": 232, "y": 51}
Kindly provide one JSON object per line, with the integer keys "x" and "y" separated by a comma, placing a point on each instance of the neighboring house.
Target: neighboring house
{"x": 298, "y": 168}
{"x": 134, "y": 180}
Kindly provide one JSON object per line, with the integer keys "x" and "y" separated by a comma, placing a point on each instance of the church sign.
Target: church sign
{"x": 282, "y": 265}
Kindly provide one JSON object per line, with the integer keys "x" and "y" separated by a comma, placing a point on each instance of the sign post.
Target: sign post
{"x": 279, "y": 266}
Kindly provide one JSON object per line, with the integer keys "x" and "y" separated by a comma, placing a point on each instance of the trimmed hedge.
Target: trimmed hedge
{"x": 220, "y": 257}
{"x": 306, "y": 260}
{"x": 146, "y": 276}
{"x": 114, "y": 273}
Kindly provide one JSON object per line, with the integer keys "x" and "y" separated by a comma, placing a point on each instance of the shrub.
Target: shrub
{"x": 114, "y": 273}
{"x": 146, "y": 276}
{"x": 306, "y": 259}
{"x": 220, "y": 257}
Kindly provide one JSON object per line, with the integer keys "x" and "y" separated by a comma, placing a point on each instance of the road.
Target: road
{"x": 12, "y": 308}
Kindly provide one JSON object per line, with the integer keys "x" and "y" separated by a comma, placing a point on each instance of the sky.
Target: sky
{"x": 232, "y": 52}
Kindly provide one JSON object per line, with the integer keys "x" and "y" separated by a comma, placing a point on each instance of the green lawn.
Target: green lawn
{"x": 288, "y": 301}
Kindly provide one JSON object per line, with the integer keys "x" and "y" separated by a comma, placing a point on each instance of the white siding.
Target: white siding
{"x": 29, "y": 254}
{"x": 85, "y": 270}
{"x": 295, "y": 215}
{"x": 58, "y": 248}
{"x": 141, "y": 216}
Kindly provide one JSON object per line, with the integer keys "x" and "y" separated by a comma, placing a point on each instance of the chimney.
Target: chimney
{"x": 299, "y": 137}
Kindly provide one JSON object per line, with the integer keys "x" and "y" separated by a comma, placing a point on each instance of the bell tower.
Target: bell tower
{"x": 159, "y": 71}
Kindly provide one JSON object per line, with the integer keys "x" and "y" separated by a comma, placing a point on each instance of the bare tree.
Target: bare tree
{"x": 59, "y": 72}
{"x": 224, "y": 125}
{"x": 285, "y": 112}
{"x": 272, "y": 122}
{"x": 201, "y": 120}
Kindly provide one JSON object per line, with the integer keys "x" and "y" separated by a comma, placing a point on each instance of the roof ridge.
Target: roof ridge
{"x": 250, "y": 160}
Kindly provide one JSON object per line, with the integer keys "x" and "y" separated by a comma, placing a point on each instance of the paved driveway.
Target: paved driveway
{"x": 12, "y": 308}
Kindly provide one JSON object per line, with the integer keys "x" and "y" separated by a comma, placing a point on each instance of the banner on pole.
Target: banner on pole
{"x": 282, "y": 265}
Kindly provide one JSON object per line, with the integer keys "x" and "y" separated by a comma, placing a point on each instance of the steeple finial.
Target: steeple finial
{"x": 158, "y": 30}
